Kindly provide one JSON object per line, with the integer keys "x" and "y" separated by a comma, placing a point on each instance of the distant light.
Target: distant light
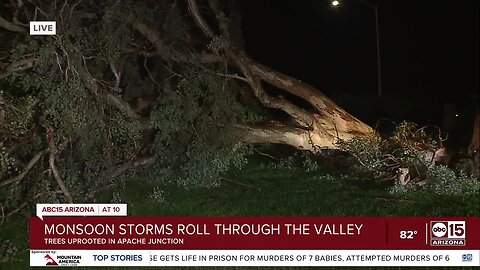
{"x": 456, "y": 115}
{"x": 335, "y": 3}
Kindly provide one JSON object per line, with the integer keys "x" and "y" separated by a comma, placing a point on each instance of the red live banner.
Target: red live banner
{"x": 254, "y": 233}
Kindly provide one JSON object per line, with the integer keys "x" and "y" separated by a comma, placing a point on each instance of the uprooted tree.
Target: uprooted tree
{"x": 126, "y": 85}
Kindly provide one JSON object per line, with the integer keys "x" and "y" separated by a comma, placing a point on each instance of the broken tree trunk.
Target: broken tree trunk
{"x": 323, "y": 124}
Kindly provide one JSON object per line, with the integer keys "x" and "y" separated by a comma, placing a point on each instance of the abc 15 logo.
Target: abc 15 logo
{"x": 448, "y": 229}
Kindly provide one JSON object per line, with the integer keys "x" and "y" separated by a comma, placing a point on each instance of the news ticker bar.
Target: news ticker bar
{"x": 254, "y": 233}
{"x": 255, "y": 258}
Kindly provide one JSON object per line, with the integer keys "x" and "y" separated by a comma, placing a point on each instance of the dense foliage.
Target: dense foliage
{"x": 409, "y": 159}
{"x": 105, "y": 103}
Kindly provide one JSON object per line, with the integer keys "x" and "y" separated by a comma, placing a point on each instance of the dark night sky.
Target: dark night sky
{"x": 427, "y": 46}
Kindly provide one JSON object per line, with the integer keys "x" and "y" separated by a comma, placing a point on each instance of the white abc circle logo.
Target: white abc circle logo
{"x": 439, "y": 229}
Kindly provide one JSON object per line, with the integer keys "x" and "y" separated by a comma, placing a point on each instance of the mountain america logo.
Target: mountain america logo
{"x": 50, "y": 260}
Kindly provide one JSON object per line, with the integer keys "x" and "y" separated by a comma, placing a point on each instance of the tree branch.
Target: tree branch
{"x": 164, "y": 51}
{"x": 240, "y": 183}
{"x": 91, "y": 84}
{"x": 144, "y": 161}
{"x": 268, "y": 101}
{"x": 197, "y": 17}
{"x": 324, "y": 106}
{"x": 19, "y": 65}
{"x": 10, "y": 26}
{"x": 51, "y": 161}
{"x": 298, "y": 138}
{"x": 150, "y": 34}
{"x": 125, "y": 108}
{"x": 29, "y": 166}
{"x": 301, "y": 115}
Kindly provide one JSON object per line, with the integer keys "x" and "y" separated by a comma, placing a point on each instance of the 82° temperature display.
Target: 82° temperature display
{"x": 407, "y": 234}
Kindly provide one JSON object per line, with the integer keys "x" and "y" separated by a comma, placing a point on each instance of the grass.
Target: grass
{"x": 262, "y": 190}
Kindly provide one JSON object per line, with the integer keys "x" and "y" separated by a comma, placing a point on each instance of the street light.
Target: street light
{"x": 377, "y": 31}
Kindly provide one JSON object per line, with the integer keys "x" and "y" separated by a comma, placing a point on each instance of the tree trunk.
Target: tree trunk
{"x": 323, "y": 124}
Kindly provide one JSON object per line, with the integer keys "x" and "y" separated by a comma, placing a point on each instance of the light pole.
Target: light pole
{"x": 377, "y": 32}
